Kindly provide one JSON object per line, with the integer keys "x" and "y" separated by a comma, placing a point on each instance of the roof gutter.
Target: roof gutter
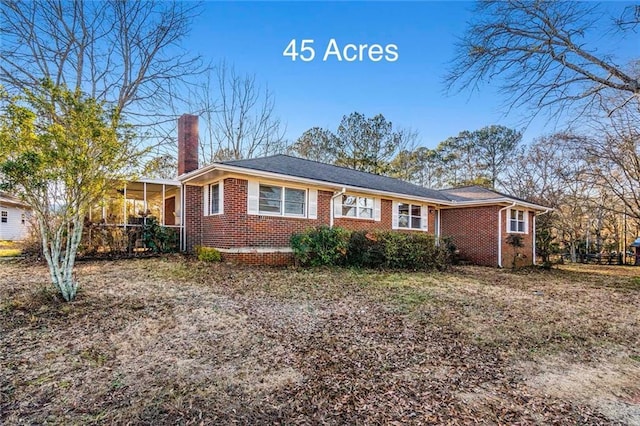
{"x": 492, "y": 201}
{"x": 331, "y": 212}
{"x": 242, "y": 170}
{"x": 534, "y": 232}
{"x": 500, "y": 232}
{"x": 184, "y": 178}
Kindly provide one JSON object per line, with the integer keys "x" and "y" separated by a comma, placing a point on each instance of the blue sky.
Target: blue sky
{"x": 409, "y": 92}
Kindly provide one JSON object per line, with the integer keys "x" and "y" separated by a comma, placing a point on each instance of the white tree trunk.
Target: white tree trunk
{"x": 60, "y": 246}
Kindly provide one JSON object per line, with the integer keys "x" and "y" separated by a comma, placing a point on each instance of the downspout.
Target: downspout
{"x": 183, "y": 224}
{"x": 331, "y": 214}
{"x": 437, "y": 230}
{"x": 500, "y": 232}
{"x": 534, "y": 233}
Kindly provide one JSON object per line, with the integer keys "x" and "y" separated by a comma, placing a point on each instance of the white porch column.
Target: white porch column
{"x": 124, "y": 207}
{"x": 144, "y": 202}
{"x": 162, "y": 211}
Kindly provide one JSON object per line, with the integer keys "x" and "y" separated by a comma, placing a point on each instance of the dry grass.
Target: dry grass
{"x": 170, "y": 341}
{"x": 10, "y": 249}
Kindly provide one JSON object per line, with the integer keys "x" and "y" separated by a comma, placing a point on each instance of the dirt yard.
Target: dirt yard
{"x": 170, "y": 341}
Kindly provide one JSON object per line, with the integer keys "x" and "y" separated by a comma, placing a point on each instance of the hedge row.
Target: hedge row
{"x": 375, "y": 249}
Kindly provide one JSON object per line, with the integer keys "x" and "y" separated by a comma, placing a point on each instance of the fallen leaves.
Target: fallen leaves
{"x": 172, "y": 341}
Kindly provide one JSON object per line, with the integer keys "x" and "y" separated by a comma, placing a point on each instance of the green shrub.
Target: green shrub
{"x": 387, "y": 249}
{"x": 515, "y": 241}
{"x": 364, "y": 250}
{"x": 413, "y": 251}
{"x": 320, "y": 246}
{"x": 159, "y": 239}
{"x": 208, "y": 254}
{"x": 451, "y": 250}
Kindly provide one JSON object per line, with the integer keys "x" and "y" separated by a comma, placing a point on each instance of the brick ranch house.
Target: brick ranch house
{"x": 248, "y": 209}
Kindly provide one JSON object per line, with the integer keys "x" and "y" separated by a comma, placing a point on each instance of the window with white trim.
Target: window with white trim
{"x": 23, "y": 219}
{"x": 214, "y": 198}
{"x": 4, "y": 216}
{"x": 409, "y": 216}
{"x": 517, "y": 221}
{"x": 280, "y": 200}
{"x": 358, "y": 207}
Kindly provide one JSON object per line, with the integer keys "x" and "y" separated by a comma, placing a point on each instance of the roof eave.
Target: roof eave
{"x": 185, "y": 178}
{"x": 502, "y": 200}
{"x": 171, "y": 182}
{"x": 334, "y": 185}
{"x": 13, "y": 203}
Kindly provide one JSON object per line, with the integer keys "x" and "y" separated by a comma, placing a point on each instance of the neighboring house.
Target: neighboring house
{"x": 248, "y": 209}
{"x": 14, "y": 218}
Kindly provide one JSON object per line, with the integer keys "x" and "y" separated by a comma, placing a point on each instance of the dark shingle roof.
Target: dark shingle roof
{"x": 314, "y": 170}
{"x": 477, "y": 193}
{"x": 468, "y": 193}
{"x": 308, "y": 169}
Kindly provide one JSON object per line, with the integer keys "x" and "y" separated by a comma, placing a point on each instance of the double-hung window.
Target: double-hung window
{"x": 214, "y": 198}
{"x": 409, "y": 216}
{"x": 280, "y": 200}
{"x": 4, "y": 217}
{"x": 517, "y": 221}
{"x": 359, "y": 207}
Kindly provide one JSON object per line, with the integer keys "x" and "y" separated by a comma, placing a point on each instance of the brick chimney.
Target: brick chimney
{"x": 187, "y": 143}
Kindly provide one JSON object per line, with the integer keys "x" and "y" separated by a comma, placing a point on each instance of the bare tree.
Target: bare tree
{"x": 539, "y": 52}
{"x": 162, "y": 166}
{"x": 123, "y": 52}
{"x": 537, "y": 173}
{"x": 477, "y": 157}
{"x": 552, "y": 173}
{"x": 613, "y": 151}
{"x": 239, "y": 117}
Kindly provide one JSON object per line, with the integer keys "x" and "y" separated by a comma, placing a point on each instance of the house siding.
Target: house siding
{"x": 14, "y": 229}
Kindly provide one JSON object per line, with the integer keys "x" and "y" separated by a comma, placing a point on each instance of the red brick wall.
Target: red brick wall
{"x": 273, "y": 259}
{"x": 509, "y": 252}
{"x": 187, "y": 143}
{"x": 367, "y": 224}
{"x": 193, "y": 216}
{"x": 385, "y": 222}
{"x": 472, "y": 229}
{"x": 234, "y": 228}
{"x": 474, "y": 232}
